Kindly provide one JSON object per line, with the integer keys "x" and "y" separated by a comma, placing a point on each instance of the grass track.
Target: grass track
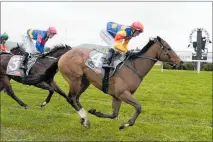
{"x": 176, "y": 106}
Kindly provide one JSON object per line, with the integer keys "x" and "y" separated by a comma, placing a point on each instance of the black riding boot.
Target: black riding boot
{"x": 106, "y": 63}
{"x": 24, "y": 61}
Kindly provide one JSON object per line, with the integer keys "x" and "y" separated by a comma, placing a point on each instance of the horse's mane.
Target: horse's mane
{"x": 57, "y": 47}
{"x": 143, "y": 50}
{"x": 18, "y": 46}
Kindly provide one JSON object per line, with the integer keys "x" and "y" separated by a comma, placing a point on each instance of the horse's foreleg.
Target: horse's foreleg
{"x": 45, "y": 86}
{"x": 57, "y": 89}
{"x": 116, "y": 104}
{"x": 10, "y": 92}
{"x": 127, "y": 97}
{"x": 1, "y": 85}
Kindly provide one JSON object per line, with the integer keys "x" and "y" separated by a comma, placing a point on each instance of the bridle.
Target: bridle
{"x": 162, "y": 46}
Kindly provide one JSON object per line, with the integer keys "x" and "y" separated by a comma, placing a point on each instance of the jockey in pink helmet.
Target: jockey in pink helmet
{"x": 41, "y": 37}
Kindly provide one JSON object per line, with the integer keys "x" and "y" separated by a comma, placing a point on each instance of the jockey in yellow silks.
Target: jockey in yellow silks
{"x": 118, "y": 36}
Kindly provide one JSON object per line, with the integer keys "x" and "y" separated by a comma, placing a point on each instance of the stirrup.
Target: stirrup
{"x": 107, "y": 66}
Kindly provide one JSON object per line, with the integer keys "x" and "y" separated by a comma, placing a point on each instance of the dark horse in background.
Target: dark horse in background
{"x": 40, "y": 75}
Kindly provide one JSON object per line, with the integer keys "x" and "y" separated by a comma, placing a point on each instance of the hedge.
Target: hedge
{"x": 207, "y": 67}
{"x": 190, "y": 66}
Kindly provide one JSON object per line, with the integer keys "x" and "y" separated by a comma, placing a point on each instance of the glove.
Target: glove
{"x": 128, "y": 53}
{"x": 43, "y": 54}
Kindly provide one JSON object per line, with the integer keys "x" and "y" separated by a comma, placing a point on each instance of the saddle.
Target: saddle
{"x": 14, "y": 64}
{"x": 95, "y": 61}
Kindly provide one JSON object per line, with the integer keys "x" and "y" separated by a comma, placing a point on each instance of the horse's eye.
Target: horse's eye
{"x": 169, "y": 49}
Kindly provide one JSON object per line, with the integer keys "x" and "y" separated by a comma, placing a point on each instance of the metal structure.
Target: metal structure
{"x": 199, "y": 46}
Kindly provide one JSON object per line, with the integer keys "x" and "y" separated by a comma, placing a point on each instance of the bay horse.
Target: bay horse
{"x": 122, "y": 84}
{"x": 40, "y": 75}
{"x": 46, "y": 85}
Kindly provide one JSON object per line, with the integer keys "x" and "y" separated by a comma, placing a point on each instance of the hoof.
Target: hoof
{"x": 124, "y": 125}
{"x": 43, "y": 104}
{"x": 85, "y": 122}
{"x": 92, "y": 111}
{"x": 26, "y": 107}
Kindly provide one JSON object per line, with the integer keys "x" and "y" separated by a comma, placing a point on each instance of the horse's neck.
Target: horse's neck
{"x": 17, "y": 51}
{"x": 142, "y": 65}
{"x": 52, "y": 54}
{"x": 55, "y": 54}
{"x": 46, "y": 61}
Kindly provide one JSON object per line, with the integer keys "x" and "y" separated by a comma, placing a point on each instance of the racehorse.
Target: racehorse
{"x": 40, "y": 75}
{"x": 49, "y": 86}
{"x": 127, "y": 77}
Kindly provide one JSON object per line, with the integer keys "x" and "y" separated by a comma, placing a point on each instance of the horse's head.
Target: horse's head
{"x": 19, "y": 50}
{"x": 165, "y": 53}
{"x": 58, "y": 50}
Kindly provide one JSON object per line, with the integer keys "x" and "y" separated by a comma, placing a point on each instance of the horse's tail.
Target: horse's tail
{"x": 47, "y": 76}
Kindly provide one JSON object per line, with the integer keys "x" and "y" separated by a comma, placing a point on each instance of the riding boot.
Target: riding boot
{"x": 24, "y": 61}
{"x": 107, "y": 61}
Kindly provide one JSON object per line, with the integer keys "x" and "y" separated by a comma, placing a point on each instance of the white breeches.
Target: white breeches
{"x": 28, "y": 44}
{"x": 108, "y": 39}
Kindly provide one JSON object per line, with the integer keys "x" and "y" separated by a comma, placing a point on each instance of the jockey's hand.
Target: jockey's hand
{"x": 129, "y": 53}
{"x": 42, "y": 54}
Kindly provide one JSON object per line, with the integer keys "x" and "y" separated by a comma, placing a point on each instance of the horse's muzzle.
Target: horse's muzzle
{"x": 179, "y": 65}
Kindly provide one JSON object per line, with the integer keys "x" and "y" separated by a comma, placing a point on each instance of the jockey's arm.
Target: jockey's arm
{"x": 119, "y": 45}
{"x": 39, "y": 44}
{"x": 126, "y": 42}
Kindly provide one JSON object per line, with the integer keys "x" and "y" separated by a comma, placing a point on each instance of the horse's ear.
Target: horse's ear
{"x": 159, "y": 39}
{"x": 18, "y": 45}
{"x": 151, "y": 38}
{"x": 67, "y": 46}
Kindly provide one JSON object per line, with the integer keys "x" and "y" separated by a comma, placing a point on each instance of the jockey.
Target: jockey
{"x": 41, "y": 37}
{"x": 118, "y": 36}
{"x": 3, "y": 38}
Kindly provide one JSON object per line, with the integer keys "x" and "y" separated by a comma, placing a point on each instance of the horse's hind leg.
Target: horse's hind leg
{"x": 116, "y": 103}
{"x": 9, "y": 90}
{"x": 45, "y": 86}
{"x": 74, "y": 93}
{"x": 84, "y": 85}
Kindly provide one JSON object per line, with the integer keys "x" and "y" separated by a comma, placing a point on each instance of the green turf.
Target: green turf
{"x": 176, "y": 106}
